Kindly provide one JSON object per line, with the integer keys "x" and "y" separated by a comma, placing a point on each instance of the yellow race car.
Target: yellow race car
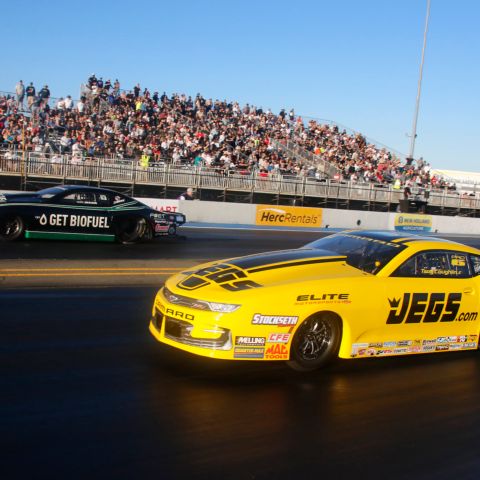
{"x": 349, "y": 295}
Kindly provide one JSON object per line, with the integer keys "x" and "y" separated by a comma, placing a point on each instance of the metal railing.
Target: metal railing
{"x": 67, "y": 168}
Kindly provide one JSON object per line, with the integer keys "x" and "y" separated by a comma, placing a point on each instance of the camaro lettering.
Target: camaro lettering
{"x": 177, "y": 314}
{"x": 424, "y": 307}
{"x": 259, "y": 319}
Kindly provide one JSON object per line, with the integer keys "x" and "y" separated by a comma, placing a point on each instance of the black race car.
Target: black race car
{"x": 72, "y": 212}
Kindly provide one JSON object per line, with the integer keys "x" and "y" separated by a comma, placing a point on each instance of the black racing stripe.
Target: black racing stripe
{"x": 296, "y": 264}
{"x": 269, "y": 258}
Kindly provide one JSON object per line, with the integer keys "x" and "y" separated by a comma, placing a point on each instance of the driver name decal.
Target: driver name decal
{"x": 427, "y": 308}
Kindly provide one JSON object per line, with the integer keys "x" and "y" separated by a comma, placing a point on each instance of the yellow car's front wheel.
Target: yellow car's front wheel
{"x": 316, "y": 342}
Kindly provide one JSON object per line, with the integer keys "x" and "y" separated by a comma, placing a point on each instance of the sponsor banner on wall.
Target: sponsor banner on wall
{"x": 288, "y": 216}
{"x": 413, "y": 222}
{"x": 161, "y": 204}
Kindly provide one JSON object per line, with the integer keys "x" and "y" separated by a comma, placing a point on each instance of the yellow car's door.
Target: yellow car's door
{"x": 433, "y": 296}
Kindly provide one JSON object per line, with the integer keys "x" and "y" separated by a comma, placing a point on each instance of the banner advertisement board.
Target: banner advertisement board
{"x": 409, "y": 222}
{"x": 281, "y": 215}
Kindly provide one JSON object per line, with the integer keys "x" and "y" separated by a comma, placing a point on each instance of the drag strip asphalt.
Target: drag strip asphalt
{"x": 86, "y": 392}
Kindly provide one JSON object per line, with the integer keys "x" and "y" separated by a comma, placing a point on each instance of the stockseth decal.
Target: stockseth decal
{"x": 283, "y": 321}
{"x": 82, "y": 221}
{"x": 424, "y": 307}
{"x": 250, "y": 341}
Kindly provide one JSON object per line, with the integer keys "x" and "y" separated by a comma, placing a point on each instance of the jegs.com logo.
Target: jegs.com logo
{"x": 428, "y": 308}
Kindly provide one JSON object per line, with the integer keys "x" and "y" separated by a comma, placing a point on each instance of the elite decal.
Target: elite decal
{"x": 64, "y": 220}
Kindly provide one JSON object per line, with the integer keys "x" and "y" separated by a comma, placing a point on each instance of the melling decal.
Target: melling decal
{"x": 226, "y": 276}
{"x": 424, "y": 307}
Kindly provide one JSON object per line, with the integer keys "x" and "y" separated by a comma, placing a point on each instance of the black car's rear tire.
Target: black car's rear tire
{"x": 133, "y": 230}
{"x": 11, "y": 228}
{"x": 316, "y": 342}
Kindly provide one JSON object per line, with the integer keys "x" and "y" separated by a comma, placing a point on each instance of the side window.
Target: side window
{"x": 436, "y": 264}
{"x": 104, "y": 199}
{"x": 80, "y": 198}
{"x": 118, "y": 199}
{"x": 475, "y": 264}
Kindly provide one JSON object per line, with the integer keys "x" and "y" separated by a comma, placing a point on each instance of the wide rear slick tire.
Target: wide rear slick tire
{"x": 11, "y": 228}
{"x": 133, "y": 230}
{"x": 316, "y": 342}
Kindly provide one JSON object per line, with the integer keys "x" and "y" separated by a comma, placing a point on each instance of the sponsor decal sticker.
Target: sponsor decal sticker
{"x": 315, "y": 298}
{"x": 456, "y": 346}
{"x": 470, "y": 345}
{"x": 252, "y": 341}
{"x": 78, "y": 221}
{"x": 385, "y": 351}
{"x": 442, "y": 347}
{"x": 279, "y": 338}
{"x": 400, "y": 350}
{"x": 375, "y": 345}
{"x": 425, "y": 307}
{"x": 288, "y": 216}
{"x": 428, "y": 348}
{"x": 358, "y": 346}
{"x": 3, "y": 198}
{"x": 282, "y": 321}
{"x": 389, "y": 344}
{"x": 276, "y": 352}
{"x": 248, "y": 352}
{"x": 430, "y": 341}
{"x": 472, "y": 338}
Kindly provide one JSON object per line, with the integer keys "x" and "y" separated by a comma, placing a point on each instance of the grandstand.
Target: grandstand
{"x": 140, "y": 129}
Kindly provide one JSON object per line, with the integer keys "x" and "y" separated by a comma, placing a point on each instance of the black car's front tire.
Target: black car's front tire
{"x": 133, "y": 230}
{"x": 11, "y": 228}
{"x": 316, "y": 342}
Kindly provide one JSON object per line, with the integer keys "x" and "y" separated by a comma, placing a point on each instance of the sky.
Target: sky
{"x": 352, "y": 62}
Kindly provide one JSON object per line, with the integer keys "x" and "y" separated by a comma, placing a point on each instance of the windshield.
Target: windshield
{"x": 366, "y": 253}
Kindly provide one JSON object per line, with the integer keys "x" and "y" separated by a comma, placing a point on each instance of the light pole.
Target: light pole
{"x": 419, "y": 89}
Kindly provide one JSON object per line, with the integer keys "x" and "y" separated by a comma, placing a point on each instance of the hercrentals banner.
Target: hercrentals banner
{"x": 288, "y": 216}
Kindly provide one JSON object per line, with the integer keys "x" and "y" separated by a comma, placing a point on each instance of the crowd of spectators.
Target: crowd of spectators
{"x": 139, "y": 124}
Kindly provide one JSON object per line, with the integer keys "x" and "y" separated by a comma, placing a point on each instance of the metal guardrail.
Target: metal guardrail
{"x": 65, "y": 168}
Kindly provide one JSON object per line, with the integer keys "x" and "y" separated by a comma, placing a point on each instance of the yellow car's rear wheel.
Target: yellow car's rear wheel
{"x": 316, "y": 342}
